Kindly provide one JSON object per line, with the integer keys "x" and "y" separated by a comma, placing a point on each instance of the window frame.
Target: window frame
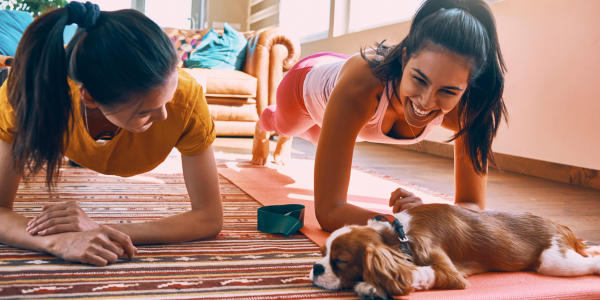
{"x": 196, "y": 13}
{"x": 315, "y": 36}
{"x": 339, "y": 22}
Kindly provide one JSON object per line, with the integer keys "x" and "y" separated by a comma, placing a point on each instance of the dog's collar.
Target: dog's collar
{"x": 399, "y": 229}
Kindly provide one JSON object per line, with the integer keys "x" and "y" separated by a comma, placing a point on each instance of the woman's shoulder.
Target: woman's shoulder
{"x": 451, "y": 120}
{"x": 198, "y": 131}
{"x": 357, "y": 87}
{"x": 188, "y": 90}
{"x": 356, "y": 73}
{"x": 7, "y": 117}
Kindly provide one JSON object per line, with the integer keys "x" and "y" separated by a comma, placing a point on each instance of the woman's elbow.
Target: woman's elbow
{"x": 326, "y": 218}
{"x": 207, "y": 228}
{"x": 215, "y": 227}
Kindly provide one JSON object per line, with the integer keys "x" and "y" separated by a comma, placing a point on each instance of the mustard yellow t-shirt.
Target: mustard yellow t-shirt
{"x": 188, "y": 127}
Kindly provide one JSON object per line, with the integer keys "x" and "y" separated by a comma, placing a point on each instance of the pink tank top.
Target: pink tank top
{"x": 319, "y": 84}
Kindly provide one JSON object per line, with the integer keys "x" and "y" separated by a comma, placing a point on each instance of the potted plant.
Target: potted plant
{"x": 35, "y": 7}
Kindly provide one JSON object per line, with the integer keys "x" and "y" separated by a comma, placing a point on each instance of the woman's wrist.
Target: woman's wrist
{"x": 48, "y": 244}
{"x": 16, "y": 235}
{"x": 343, "y": 214}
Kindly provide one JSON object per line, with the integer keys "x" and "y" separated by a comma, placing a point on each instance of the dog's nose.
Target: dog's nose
{"x": 318, "y": 269}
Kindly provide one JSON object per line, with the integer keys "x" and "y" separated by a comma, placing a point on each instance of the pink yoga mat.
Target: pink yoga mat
{"x": 293, "y": 183}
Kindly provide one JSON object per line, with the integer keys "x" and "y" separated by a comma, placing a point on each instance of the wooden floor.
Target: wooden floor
{"x": 576, "y": 207}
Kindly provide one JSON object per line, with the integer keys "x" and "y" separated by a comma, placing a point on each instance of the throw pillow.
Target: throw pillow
{"x": 12, "y": 25}
{"x": 225, "y": 52}
{"x": 69, "y": 33}
{"x": 185, "y": 46}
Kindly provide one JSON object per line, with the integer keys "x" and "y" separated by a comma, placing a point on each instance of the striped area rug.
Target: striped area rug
{"x": 241, "y": 263}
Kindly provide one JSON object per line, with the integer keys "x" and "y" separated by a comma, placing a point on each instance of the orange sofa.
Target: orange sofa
{"x": 237, "y": 98}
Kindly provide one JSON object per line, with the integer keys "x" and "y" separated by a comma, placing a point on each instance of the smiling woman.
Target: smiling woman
{"x": 117, "y": 77}
{"x": 447, "y": 72}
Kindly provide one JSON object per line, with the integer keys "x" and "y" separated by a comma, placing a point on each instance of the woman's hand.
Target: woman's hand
{"x": 98, "y": 246}
{"x": 67, "y": 217}
{"x": 402, "y": 200}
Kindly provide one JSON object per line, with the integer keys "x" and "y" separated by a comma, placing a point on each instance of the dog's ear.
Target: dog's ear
{"x": 390, "y": 238}
{"x": 387, "y": 270}
{"x": 385, "y": 231}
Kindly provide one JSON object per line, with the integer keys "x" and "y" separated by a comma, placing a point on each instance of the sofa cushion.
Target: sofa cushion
{"x": 224, "y": 52}
{"x": 225, "y": 83}
{"x": 230, "y": 101}
{"x": 246, "y": 113}
{"x": 234, "y": 128}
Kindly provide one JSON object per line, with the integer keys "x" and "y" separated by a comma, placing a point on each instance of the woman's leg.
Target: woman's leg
{"x": 260, "y": 146}
{"x": 312, "y": 134}
{"x": 288, "y": 118}
{"x": 283, "y": 151}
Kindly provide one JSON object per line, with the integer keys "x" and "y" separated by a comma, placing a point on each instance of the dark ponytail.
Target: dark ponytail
{"x": 39, "y": 92}
{"x": 119, "y": 57}
{"x": 467, "y": 28}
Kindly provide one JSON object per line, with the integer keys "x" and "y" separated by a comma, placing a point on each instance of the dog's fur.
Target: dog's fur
{"x": 448, "y": 243}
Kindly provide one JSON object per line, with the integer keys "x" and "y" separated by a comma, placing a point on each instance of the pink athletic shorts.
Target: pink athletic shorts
{"x": 289, "y": 117}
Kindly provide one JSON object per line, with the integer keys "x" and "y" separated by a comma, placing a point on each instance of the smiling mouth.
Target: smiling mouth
{"x": 419, "y": 112}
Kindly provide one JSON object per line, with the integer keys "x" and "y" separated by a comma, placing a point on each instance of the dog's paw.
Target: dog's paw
{"x": 592, "y": 251}
{"x": 366, "y": 290}
{"x": 464, "y": 283}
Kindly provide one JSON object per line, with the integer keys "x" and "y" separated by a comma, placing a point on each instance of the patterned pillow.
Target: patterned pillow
{"x": 185, "y": 46}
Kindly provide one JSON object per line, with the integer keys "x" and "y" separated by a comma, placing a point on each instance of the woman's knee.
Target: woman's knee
{"x": 312, "y": 134}
{"x": 286, "y": 123}
{"x": 266, "y": 119}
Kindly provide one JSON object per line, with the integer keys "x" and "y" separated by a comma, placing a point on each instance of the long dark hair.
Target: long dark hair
{"x": 467, "y": 28}
{"x": 117, "y": 56}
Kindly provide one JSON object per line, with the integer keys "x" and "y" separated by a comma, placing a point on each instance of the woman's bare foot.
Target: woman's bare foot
{"x": 283, "y": 151}
{"x": 260, "y": 146}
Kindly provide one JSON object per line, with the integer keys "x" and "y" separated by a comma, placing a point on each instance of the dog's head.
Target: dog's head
{"x": 369, "y": 253}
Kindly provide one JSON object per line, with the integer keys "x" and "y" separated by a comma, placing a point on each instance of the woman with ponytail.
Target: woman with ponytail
{"x": 448, "y": 71}
{"x": 117, "y": 79}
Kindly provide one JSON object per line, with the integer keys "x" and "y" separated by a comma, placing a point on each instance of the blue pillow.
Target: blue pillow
{"x": 225, "y": 52}
{"x": 12, "y": 25}
{"x": 69, "y": 32}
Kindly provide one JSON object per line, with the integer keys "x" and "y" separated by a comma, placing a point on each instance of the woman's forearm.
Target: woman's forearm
{"x": 470, "y": 187}
{"x": 205, "y": 220}
{"x": 184, "y": 227}
{"x": 13, "y": 233}
{"x": 342, "y": 215}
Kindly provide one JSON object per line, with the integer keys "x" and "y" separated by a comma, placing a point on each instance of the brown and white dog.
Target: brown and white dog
{"x": 448, "y": 243}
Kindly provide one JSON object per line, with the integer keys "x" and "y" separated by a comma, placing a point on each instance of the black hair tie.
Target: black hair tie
{"x": 84, "y": 15}
{"x": 463, "y": 7}
{"x": 462, "y": 4}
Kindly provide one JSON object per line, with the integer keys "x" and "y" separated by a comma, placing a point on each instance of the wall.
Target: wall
{"x": 552, "y": 51}
{"x": 231, "y": 11}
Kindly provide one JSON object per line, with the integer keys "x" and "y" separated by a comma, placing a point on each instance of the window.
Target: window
{"x": 176, "y": 14}
{"x": 105, "y": 5}
{"x": 366, "y": 14}
{"x": 308, "y": 20}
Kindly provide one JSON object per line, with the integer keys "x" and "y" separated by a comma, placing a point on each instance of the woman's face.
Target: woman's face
{"x": 432, "y": 84}
{"x": 139, "y": 117}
